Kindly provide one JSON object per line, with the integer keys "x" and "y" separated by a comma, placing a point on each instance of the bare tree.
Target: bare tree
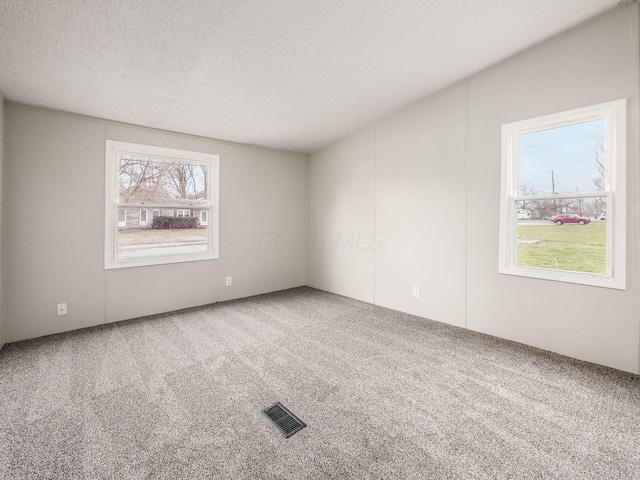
{"x": 204, "y": 171}
{"x": 598, "y": 151}
{"x": 139, "y": 178}
{"x": 149, "y": 180}
{"x": 187, "y": 179}
{"x": 180, "y": 179}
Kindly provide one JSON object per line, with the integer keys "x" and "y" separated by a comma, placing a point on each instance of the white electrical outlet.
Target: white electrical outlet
{"x": 416, "y": 292}
{"x": 62, "y": 309}
{"x": 228, "y": 281}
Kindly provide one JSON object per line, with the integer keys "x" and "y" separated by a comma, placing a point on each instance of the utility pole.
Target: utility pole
{"x": 553, "y": 190}
{"x": 579, "y": 202}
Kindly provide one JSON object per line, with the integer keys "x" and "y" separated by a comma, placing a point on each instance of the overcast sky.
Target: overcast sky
{"x": 568, "y": 151}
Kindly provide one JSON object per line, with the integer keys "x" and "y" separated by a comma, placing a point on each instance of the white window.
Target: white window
{"x": 203, "y": 218}
{"x": 142, "y": 177}
{"x": 122, "y": 217}
{"x": 562, "y": 210}
{"x": 143, "y": 218}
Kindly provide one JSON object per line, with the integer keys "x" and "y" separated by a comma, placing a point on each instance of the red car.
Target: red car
{"x": 570, "y": 218}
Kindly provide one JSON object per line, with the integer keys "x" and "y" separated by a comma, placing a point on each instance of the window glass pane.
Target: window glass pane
{"x": 161, "y": 180}
{"x": 565, "y": 159}
{"x": 568, "y": 234}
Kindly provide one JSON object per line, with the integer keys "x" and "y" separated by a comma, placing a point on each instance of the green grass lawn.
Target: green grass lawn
{"x": 580, "y": 248}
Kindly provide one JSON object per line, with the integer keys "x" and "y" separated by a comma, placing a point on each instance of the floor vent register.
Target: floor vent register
{"x": 285, "y": 421}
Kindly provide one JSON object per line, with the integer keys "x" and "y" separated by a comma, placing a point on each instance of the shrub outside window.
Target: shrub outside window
{"x": 562, "y": 211}
{"x": 172, "y": 184}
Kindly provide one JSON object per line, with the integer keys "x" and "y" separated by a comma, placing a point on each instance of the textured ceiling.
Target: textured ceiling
{"x": 290, "y": 74}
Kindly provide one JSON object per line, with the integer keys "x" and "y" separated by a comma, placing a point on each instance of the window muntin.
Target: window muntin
{"x": 140, "y": 178}
{"x": 568, "y": 164}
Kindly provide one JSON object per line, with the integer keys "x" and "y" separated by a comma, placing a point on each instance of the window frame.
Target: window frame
{"x": 112, "y": 168}
{"x": 615, "y": 115}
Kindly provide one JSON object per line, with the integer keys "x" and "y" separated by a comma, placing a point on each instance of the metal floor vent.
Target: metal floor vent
{"x": 283, "y": 419}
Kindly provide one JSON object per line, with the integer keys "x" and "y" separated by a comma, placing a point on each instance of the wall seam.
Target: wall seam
{"x": 216, "y": 275}
{"x": 375, "y": 208}
{"x": 317, "y": 250}
{"x": 3, "y": 279}
{"x": 466, "y": 206}
{"x": 306, "y": 219}
{"x": 291, "y": 236}
{"x": 635, "y": 149}
{"x": 307, "y": 236}
{"x": 106, "y": 272}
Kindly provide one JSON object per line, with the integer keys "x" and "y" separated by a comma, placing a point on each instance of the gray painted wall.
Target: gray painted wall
{"x": 54, "y": 205}
{"x": 426, "y": 182}
{"x": 345, "y": 182}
